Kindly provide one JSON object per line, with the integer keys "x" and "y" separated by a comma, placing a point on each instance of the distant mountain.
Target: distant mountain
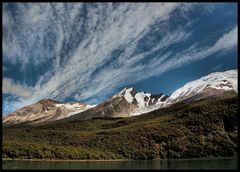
{"x": 122, "y": 104}
{"x": 214, "y": 85}
{"x": 143, "y": 100}
{"x": 128, "y": 102}
{"x": 44, "y": 110}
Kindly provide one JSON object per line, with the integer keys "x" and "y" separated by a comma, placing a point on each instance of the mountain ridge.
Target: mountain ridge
{"x": 128, "y": 102}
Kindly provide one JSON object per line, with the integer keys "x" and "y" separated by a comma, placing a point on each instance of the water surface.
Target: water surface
{"x": 205, "y": 163}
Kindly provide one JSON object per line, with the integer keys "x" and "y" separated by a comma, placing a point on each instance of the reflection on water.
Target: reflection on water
{"x": 206, "y": 163}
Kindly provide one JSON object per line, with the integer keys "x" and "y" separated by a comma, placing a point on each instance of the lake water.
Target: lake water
{"x": 206, "y": 163}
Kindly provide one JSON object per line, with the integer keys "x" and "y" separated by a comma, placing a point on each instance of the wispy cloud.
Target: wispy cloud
{"x": 95, "y": 51}
{"x": 227, "y": 41}
{"x": 10, "y": 87}
{"x": 224, "y": 43}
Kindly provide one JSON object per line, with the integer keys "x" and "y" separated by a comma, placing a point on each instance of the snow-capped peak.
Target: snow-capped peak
{"x": 122, "y": 92}
{"x": 127, "y": 93}
{"x": 225, "y": 81}
{"x": 142, "y": 99}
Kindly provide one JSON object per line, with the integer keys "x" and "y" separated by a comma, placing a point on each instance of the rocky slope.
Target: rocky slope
{"x": 113, "y": 108}
{"x": 44, "y": 110}
{"x": 122, "y": 104}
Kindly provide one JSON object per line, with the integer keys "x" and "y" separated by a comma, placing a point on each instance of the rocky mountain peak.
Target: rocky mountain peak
{"x": 44, "y": 111}
{"x": 141, "y": 99}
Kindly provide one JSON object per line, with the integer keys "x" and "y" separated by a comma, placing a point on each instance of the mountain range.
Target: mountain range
{"x": 197, "y": 120}
{"x": 128, "y": 102}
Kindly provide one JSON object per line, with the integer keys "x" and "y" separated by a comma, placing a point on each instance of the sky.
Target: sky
{"x": 89, "y": 51}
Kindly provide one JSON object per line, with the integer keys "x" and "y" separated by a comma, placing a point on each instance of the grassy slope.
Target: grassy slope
{"x": 204, "y": 128}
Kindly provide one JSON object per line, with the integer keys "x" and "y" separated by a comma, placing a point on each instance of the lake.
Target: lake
{"x": 203, "y": 163}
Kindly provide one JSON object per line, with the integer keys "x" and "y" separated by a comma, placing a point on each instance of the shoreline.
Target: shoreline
{"x": 108, "y": 160}
{"x": 70, "y": 160}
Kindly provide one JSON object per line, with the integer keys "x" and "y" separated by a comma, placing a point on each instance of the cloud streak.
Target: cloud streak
{"x": 224, "y": 43}
{"x": 10, "y": 87}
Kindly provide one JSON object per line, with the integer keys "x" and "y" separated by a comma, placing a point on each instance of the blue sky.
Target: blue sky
{"x": 88, "y": 51}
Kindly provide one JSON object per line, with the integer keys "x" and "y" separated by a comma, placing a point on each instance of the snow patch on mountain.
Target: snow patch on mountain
{"x": 71, "y": 106}
{"x": 145, "y": 101}
{"x": 142, "y": 110}
{"x": 218, "y": 80}
{"x": 128, "y": 96}
{"x": 126, "y": 93}
{"x": 75, "y": 108}
{"x": 140, "y": 97}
